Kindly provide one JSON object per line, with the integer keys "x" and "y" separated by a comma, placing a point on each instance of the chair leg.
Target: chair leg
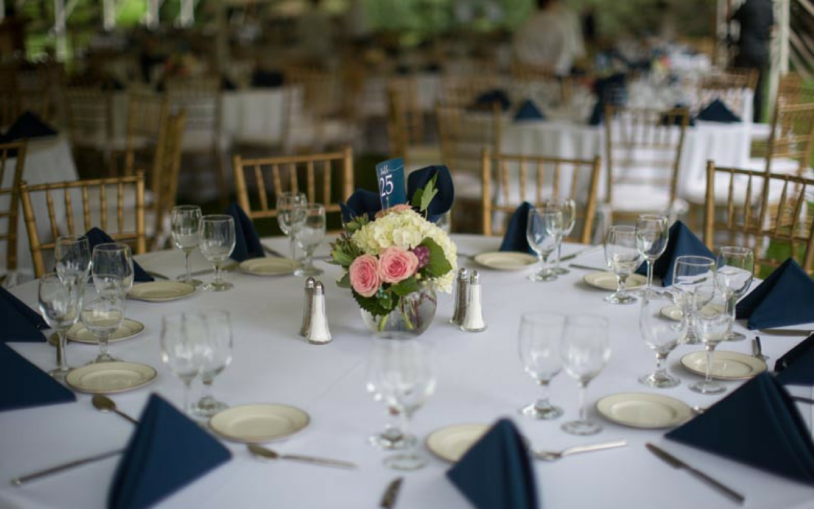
{"x": 223, "y": 191}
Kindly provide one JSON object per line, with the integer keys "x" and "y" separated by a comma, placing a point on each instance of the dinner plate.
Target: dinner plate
{"x": 110, "y": 377}
{"x": 129, "y": 329}
{"x": 256, "y": 424}
{"x": 644, "y": 410}
{"x": 607, "y": 280}
{"x": 672, "y": 312}
{"x": 505, "y": 260}
{"x": 269, "y": 266}
{"x": 161, "y": 291}
{"x": 725, "y": 365}
{"x": 452, "y": 442}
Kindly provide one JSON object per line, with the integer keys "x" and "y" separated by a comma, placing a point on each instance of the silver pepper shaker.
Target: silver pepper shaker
{"x": 461, "y": 298}
{"x": 473, "y": 319}
{"x": 319, "y": 334}
{"x": 307, "y": 307}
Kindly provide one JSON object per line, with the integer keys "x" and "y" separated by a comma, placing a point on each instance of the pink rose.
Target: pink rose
{"x": 364, "y": 275}
{"x": 396, "y": 265}
{"x": 395, "y": 208}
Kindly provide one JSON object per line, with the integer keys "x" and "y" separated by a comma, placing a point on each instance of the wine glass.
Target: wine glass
{"x": 652, "y": 235}
{"x": 584, "y": 350}
{"x": 60, "y": 303}
{"x": 72, "y": 257}
{"x": 568, "y": 207}
{"x": 310, "y": 233}
{"x": 403, "y": 376}
{"x": 539, "y": 347}
{"x": 712, "y": 323}
{"x": 186, "y": 234}
{"x": 217, "y": 244}
{"x": 544, "y": 232}
{"x": 103, "y": 316}
{"x": 112, "y": 263}
{"x": 694, "y": 282}
{"x": 736, "y": 266}
{"x": 181, "y": 348}
{"x": 216, "y": 354}
{"x": 661, "y": 335}
{"x": 288, "y": 215}
{"x": 623, "y": 258}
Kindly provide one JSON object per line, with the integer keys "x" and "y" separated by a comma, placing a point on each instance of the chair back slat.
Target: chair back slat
{"x": 12, "y": 167}
{"x": 792, "y": 136}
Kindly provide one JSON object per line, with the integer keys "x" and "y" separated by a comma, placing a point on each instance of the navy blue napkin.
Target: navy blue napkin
{"x": 20, "y": 322}
{"x": 497, "y": 472}
{"x": 97, "y": 236}
{"x": 528, "y": 111}
{"x": 784, "y": 298}
{"x": 267, "y": 79}
{"x": 682, "y": 242}
{"x": 602, "y": 88}
{"x": 796, "y": 367}
{"x": 247, "y": 242}
{"x": 485, "y": 100}
{"x": 716, "y": 111}
{"x": 361, "y": 202}
{"x": 166, "y": 452}
{"x": 515, "y": 238}
{"x": 29, "y": 125}
{"x": 24, "y": 385}
{"x": 759, "y": 425}
{"x": 227, "y": 84}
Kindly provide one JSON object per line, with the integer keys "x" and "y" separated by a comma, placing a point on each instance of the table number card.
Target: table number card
{"x": 390, "y": 175}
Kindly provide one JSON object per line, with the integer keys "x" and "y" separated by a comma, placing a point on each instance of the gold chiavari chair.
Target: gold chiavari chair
{"x": 643, "y": 156}
{"x": 732, "y": 77}
{"x": 462, "y": 90}
{"x": 89, "y": 112}
{"x": 328, "y": 180}
{"x": 791, "y": 141}
{"x": 14, "y": 103}
{"x": 93, "y": 196}
{"x": 405, "y": 127}
{"x": 509, "y": 180}
{"x": 779, "y": 227}
{"x": 164, "y": 177}
{"x": 10, "y": 205}
{"x": 146, "y": 117}
{"x": 532, "y": 76}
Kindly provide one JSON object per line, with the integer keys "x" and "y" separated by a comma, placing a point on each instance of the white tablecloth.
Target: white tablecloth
{"x": 479, "y": 379}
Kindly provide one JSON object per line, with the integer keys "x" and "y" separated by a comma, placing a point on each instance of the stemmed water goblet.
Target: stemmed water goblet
{"x": 217, "y": 244}
{"x": 652, "y": 236}
{"x": 310, "y": 233}
{"x": 623, "y": 257}
{"x": 72, "y": 259}
{"x": 112, "y": 268}
{"x": 103, "y": 315}
{"x": 712, "y": 325}
{"x": 289, "y": 215}
{"x": 694, "y": 285}
{"x": 186, "y": 235}
{"x": 60, "y": 303}
{"x": 544, "y": 232}
{"x": 539, "y": 347}
{"x": 660, "y": 335}
{"x": 181, "y": 348}
{"x": 585, "y": 349}
{"x": 736, "y": 266}
{"x": 568, "y": 207}
{"x": 216, "y": 354}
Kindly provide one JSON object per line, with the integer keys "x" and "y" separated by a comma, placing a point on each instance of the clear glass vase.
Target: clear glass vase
{"x": 412, "y": 315}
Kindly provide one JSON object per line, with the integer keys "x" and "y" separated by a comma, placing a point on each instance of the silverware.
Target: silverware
{"x": 391, "y": 493}
{"x": 587, "y": 267}
{"x": 258, "y": 451}
{"x": 580, "y": 252}
{"x": 555, "y": 455}
{"x": 757, "y": 349}
{"x": 677, "y": 463}
{"x": 105, "y": 404}
{"x": 157, "y": 275}
{"x": 786, "y": 332}
{"x": 23, "y": 479}
{"x": 273, "y": 252}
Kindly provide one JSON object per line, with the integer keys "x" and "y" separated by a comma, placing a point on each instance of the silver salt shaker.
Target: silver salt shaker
{"x": 307, "y": 307}
{"x": 473, "y": 319}
{"x": 319, "y": 334}
{"x": 461, "y": 298}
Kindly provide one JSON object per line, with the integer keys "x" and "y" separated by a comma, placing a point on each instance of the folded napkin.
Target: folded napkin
{"x": 267, "y": 79}
{"x": 716, "y": 111}
{"x": 488, "y": 98}
{"x": 682, "y": 242}
{"x": 97, "y": 236}
{"x": 604, "y": 88}
{"x": 784, "y": 298}
{"x": 24, "y": 385}
{"x": 29, "y": 125}
{"x": 20, "y": 322}
{"x": 361, "y": 202}
{"x": 796, "y": 367}
{"x": 528, "y": 111}
{"x": 166, "y": 452}
{"x": 758, "y": 424}
{"x": 497, "y": 471}
{"x": 515, "y": 238}
{"x": 247, "y": 242}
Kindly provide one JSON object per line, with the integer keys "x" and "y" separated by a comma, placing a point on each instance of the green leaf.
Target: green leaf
{"x": 428, "y": 194}
{"x": 344, "y": 281}
{"x": 439, "y": 265}
{"x": 341, "y": 257}
{"x": 406, "y": 287}
{"x": 416, "y": 203}
{"x": 370, "y": 304}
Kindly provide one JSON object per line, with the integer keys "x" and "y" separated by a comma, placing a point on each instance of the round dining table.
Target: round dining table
{"x": 479, "y": 380}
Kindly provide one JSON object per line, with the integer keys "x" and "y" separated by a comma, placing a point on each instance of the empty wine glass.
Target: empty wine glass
{"x": 103, "y": 316}
{"x": 60, "y": 303}
{"x": 216, "y": 354}
{"x": 72, "y": 257}
{"x": 661, "y": 335}
{"x": 288, "y": 215}
{"x": 186, "y": 235}
{"x": 694, "y": 284}
{"x": 736, "y": 267}
{"x": 712, "y": 323}
{"x": 217, "y": 244}
{"x": 584, "y": 350}
{"x": 544, "y": 232}
{"x": 112, "y": 267}
{"x": 310, "y": 233}
{"x": 568, "y": 207}
{"x": 623, "y": 257}
{"x": 403, "y": 376}
{"x": 652, "y": 235}
{"x": 181, "y": 348}
{"x": 539, "y": 347}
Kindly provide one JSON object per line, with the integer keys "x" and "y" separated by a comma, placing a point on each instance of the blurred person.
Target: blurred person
{"x": 550, "y": 38}
{"x": 756, "y": 19}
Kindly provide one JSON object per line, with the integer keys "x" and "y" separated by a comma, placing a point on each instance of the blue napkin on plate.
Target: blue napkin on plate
{"x": 528, "y": 111}
{"x": 515, "y": 238}
{"x": 29, "y": 125}
{"x": 497, "y": 472}
{"x": 758, "y": 424}
{"x": 796, "y": 367}
{"x": 20, "y": 322}
{"x": 24, "y": 385}
{"x": 602, "y": 89}
{"x": 485, "y": 100}
{"x": 166, "y": 452}
{"x": 247, "y": 242}
{"x": 682, "y": 242}
{"x": 716, "y": 111}
{"x": 784, "y": 298}
{"x": 361, "y": 202}
{"x": 97, "y": 236}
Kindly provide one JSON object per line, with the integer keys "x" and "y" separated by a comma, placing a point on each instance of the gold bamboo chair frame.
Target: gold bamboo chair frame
{"x": 792, "y": 136}
{"x": 165, "y": 171}
{"x": 463, "y": 90}
{"x": 11, "y": 212}
{"x": 405, "y": 120}
{"x": 463, "y": 140}
{"x": 147, "y": 115}
{"x": 531, "y": 75}
{"x": 89, "y": 113}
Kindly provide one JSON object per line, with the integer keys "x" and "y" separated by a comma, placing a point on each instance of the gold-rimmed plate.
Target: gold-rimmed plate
{"x": 644, "y": 410}
{"x": 725, "y": 365}
{"x": 128, "y": 329}
{"x": 672, "y": 312}
{"x": 110, "y": 377}
{"x": 607, "y": 281}
{"x": 505, "y": 260}
{"x": 257, "y": 424}
{"x": 452, "y": 442}
{"x": 269, "y": 266}
{"x": 161, "y": 291}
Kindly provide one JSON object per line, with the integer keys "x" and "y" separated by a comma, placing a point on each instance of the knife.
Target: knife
{"x": 580, "y": 252}
{"x": 391, "y": 494}
{"x": 272, "y": 252}
{"x": 677, "y": 463}
{"x": 587, "y": 267}
{"x": 785, "y": 332}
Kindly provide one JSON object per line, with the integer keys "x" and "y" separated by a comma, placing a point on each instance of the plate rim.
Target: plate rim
{"x": 591, "y": 275}
{"x": 154, "y": 375}
{"x": 164, "y": 299}
{"x": 125, "y": 338}
{"x": 445, "y": 428}
{"x": 685, "y": 365}
{"x": 243, "y": 266}
{"x": 237, "y": 439}
{"x": 478, "y": 258}
{"x": 608, "y": 417}
{"x": 665, "y": 315}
